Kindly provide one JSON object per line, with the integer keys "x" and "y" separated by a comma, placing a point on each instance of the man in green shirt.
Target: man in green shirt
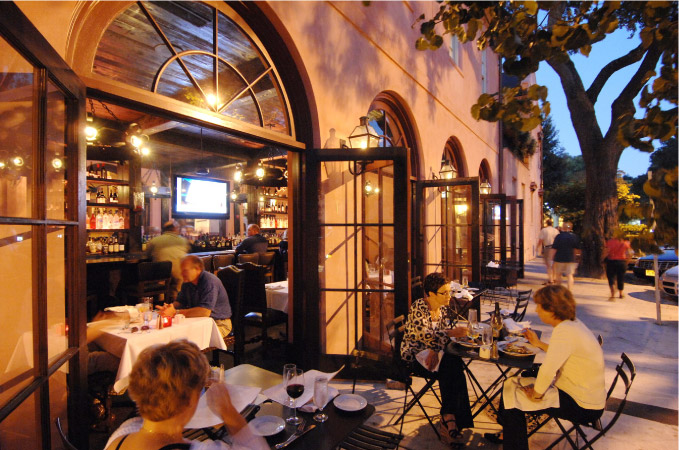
{"x": 170, "y": 246}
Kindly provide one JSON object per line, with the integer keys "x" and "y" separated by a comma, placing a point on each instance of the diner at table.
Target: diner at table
{"x": 202, "y": 294}
{"x": 166, "y": 384}
{"x": 570, "y": 381}
{"x": 428, "y": 330}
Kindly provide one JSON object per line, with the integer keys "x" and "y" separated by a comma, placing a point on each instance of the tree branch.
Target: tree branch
{"x": 610, "y": 68}
{"x": 625, "y": 101}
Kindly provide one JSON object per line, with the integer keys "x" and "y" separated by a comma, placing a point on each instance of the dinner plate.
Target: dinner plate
{"x": 267, "y": 425}
{"x": 466, "y": 342}
{"x": 502, "y": 346}
{"x": 350, "y": 402}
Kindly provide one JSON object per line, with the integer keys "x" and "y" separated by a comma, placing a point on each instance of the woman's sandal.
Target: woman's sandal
{"x": 449, "y": 436}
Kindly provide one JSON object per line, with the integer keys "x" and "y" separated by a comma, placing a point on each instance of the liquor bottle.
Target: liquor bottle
{"x": 100, "y": 196}
{"x": 99, "y": 220}
{"x": 116, "y": 245}
{"x": 122, "y": 244}
{"x": 110, "y": 246}
{"x": 113, "y": 195}
{"x": 105, "y": 220}
{"x": 496, "y": 321}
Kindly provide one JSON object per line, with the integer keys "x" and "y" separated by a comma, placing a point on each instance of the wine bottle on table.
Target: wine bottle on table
{"x": 496, "y": 321}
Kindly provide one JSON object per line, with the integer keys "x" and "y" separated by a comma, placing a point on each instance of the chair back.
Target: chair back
{"x": 221, "y": 261}
{"x": 248, "y": 258}
{"x": 416, "y": 288}
{"x": 267, "y": 259}
{"x": 522, "y": 299}
{"x": 153, "y": 279}
{"x": 207, "y": 262}
{"x": 233, "y": 280}
{"x": 64, "y": 440}
{"x": 395, "y": 331}
{"x": 154, "y": 271}
{"x": 254, "y": 293}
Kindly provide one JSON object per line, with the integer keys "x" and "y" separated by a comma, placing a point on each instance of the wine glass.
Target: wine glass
{"x": 287, "y": 368}
{"x": 294, "y": 386}
{"x": 473, "y": 329}
{"x": 320, "y": 398}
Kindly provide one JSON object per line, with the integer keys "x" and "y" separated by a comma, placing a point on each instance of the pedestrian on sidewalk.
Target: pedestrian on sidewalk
{"x": 546, "y": 239}
{"x": 563, "y": 251}
{"x": 615, "y": 254}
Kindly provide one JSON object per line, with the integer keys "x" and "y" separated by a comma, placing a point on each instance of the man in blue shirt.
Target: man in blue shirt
{"x": 202, "y": 295}
{"x": 563, "y": 254}
{"x": 254, "y": 243}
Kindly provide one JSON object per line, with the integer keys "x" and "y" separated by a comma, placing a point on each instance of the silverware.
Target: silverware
{"x": 300, "y": 432}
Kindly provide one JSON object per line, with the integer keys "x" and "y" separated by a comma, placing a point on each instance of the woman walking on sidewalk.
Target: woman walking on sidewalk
{"x": 615, "y": 254}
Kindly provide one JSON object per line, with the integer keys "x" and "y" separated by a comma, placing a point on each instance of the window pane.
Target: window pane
{"x": 16, "y": 355}
{"x": 55, "y": 138}
{"x": 236, "y": 48}
{"x": 244, "y": 109}
{"x": 57, "y": 337}
{"x": 21, "y": 428}
{"x": 271, "y": 102}
{"x": 58, "y": 401}
{"x": 336, "y": 254}
{"x": 16, "y": 133}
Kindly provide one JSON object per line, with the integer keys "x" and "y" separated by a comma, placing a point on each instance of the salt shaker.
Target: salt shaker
{"x": 493, "y": 351}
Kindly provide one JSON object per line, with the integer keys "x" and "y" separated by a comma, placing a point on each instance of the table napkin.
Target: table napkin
{"x": 134, "y": 312}
{"x": 493, "y": 264}
{"x": 464, "y": 294}
{"x": 241, "y": 396}
{"x": 278, "y": 394}
{"x": 422, "y": 358}
{"x": 514, "y": 397}
{"x": 515, "y": 327}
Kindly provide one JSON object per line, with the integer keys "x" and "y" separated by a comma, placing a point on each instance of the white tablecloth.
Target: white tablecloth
{"x": 277, "y": 295}
{"x": 126, "y": 345}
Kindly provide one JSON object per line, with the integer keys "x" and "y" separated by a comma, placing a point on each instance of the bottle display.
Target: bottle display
{"x": 108, "y": 209}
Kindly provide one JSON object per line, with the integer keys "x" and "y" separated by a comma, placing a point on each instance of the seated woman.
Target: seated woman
{"x": 426, "y": 329}
{"x": 574, "y": 357}
{"x": 165, "y": 383}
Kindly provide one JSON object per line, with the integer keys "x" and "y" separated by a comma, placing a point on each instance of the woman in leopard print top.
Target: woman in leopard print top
{"x": 428, "y": 327}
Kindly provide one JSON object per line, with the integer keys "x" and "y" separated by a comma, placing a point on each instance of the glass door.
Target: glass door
{"x": 42, "y": 371}
{"x": 448, "y": 228}
{"x": 361, "y": 222}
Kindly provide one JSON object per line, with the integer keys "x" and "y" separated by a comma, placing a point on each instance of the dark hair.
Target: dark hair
{"x": 196, "y": 261}
{"x": 549, "y": 222}
{"x": 170, "y": 225}
{"x": 433, "y": 282}
{"x": 556, "y": 299}
{"x": 164, "y": 378}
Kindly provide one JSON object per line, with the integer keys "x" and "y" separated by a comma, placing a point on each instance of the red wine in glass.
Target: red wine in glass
{"x": 295, "y": 390}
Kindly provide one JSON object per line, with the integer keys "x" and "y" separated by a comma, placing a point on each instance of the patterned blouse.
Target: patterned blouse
{"x": 422, "y": 333}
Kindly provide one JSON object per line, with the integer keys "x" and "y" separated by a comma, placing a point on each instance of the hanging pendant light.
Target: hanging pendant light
{"x": 485, "y": 188}
{"x": 260, "y": 170}
{"x": 448, "y": 171}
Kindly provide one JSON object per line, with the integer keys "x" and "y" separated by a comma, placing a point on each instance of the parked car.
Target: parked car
{"x": 644, "y": 266}
{"x": 668, "y": 281}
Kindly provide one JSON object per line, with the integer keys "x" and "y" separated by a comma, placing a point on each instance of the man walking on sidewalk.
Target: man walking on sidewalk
{"x": 563, "y": 252}
{"x": 546, "y": 238}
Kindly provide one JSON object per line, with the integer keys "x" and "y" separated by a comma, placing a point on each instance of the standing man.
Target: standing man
{"x": 202, "y": 295}
{"x": 563, "y": 253}
{"x": 170, "y": 246}
{"x": 254, "y": 243}
{"x": 546, "y": 238}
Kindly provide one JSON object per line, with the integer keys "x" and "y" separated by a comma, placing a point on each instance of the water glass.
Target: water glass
{"x": 320, "y": 398}
{"x": 487, "y": 335}
{"x": 472, "y": 317}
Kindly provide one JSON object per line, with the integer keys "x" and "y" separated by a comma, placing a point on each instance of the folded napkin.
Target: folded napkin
{"x": 422, "y": 358}
{"x": 514, "y": 397}
{"x": 311, "y": 407}
{"x": 278, "y": 394}
{"x": 241, "y": 396}
{"x": 464, "y": 294}
{"x": 455, "y": 286}
{"x": 134, "y": 312}
{"x": 493, "y": 264}
{"x": 515, "y": 327}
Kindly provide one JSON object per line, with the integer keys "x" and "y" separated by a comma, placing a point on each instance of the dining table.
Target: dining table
{"x": 507, "y": 366}
{"x": 326, "y": 435}
{"x": 128, "y": 342}
{"x": 277, "y": 295}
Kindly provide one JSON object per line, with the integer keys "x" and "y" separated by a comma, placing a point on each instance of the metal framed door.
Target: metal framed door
{"x": 448, "y": 228}
{"x": 357, "y": 259}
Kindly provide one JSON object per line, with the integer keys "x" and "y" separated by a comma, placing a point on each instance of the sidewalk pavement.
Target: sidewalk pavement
{"x": 627, "y": 325}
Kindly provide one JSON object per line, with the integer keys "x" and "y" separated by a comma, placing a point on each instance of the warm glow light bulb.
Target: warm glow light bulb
{"x": 18, "y": 161}
{"x": 212, "y": 99}
{"x": 57, "y": 163}
{"x": 234, "y": 196}
{"x": 260, "y": 172}
{"x": 145, "y": 151}
{"x": 261, "y": 198}
{"x": 2, "y": 164}
{"x": 90, "y": 133}
{"x": 154, "y": 188}
{"x": 135, "y": 141}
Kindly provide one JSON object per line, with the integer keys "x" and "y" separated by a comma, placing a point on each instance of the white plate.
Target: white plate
{"x": 502, "y": 346}
{"x": 350, "y": 402}
{"x": 267, "y": 425}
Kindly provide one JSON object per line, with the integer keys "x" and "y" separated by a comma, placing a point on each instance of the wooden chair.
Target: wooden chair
{"x": 152, "y": 280}
{"x": 416, "y": 288}
{"x": 267, "y": 260}
{"x": 248, "y": 258}
{"x": 221, "y": 261}
{"x": 626, "y": 372}
{"x": 233, "y": 280}
{"x": 64, "y": 439}
{"x": 253, "y": 310}
{"x": 207, "y": 262}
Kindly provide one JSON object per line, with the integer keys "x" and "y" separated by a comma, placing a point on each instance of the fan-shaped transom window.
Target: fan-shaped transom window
{"x": 194, "y": 53}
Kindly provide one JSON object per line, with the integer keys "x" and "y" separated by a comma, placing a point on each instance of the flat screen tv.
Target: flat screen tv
{"x": 200, "y": 198}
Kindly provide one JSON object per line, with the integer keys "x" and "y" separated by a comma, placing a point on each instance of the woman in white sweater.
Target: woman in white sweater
{"x": 574, "y": 363}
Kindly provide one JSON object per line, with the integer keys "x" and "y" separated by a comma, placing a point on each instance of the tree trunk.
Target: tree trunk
{"x": 601, "y": 204}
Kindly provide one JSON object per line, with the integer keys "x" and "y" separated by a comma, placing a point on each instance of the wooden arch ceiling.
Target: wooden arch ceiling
{"x": 188, "y": 51}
